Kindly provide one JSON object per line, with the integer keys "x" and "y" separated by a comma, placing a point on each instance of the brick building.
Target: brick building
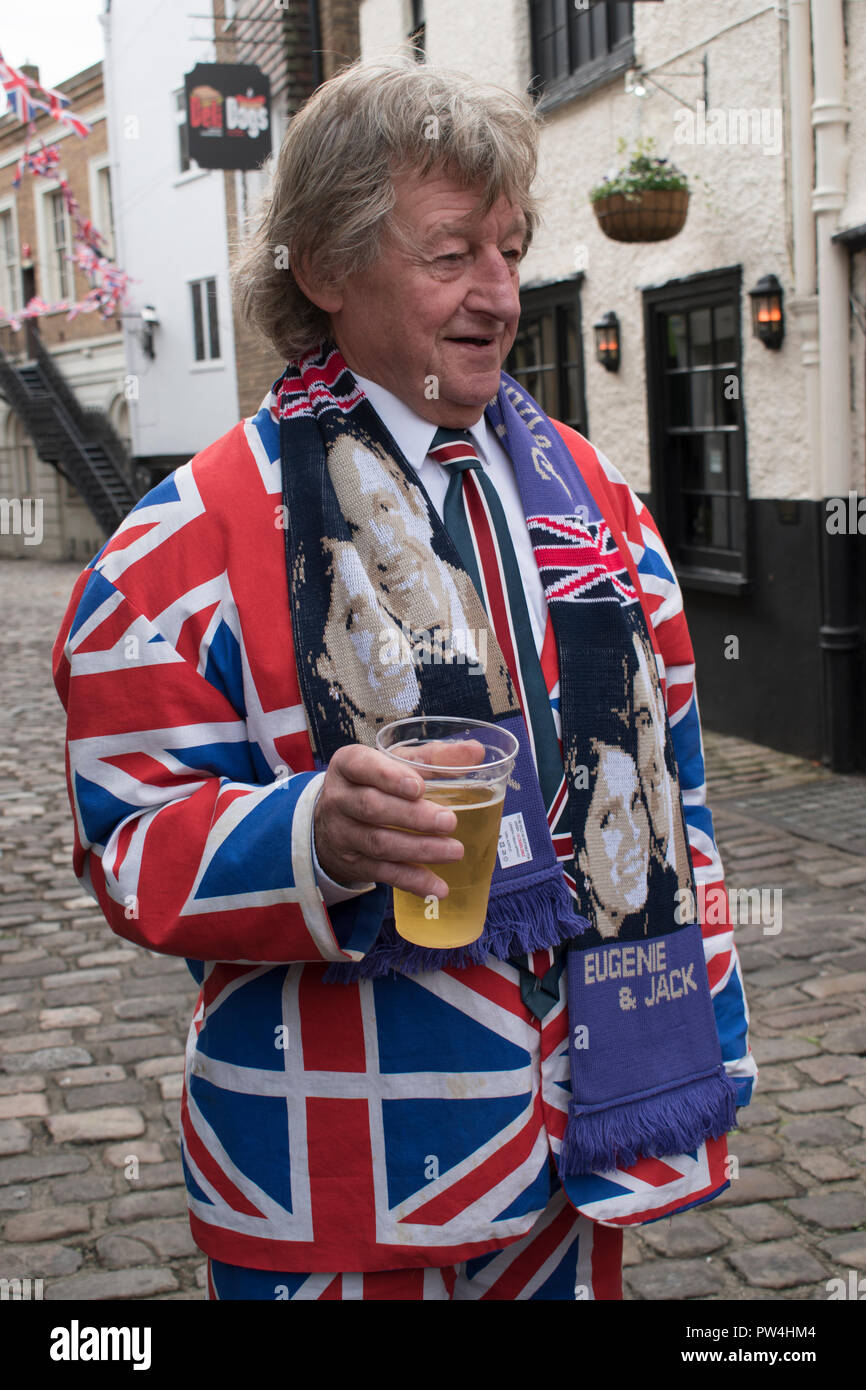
{"x": 35, "y": 240}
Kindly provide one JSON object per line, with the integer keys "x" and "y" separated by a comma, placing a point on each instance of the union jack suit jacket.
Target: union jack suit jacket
{"x": 384, "y": 1124}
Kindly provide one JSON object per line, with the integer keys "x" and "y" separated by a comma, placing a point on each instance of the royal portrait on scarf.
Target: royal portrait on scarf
{"x": 396, "y": 608}
{"x": 632, "y": 853}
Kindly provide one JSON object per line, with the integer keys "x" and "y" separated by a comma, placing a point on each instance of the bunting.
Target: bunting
{"x": 109, "y": 284}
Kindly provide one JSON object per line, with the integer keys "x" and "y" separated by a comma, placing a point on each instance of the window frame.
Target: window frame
{"x": 99, "y": 169}
{"x": 50, "y": 285}
{"x": 705, "y": 290}
{"x": 10, "y": 270}
{"x": 584, "y": 78}
{"x": 205, "y": 307}
{"x": 552, "y": 296}
{"x": 186, "y": 166}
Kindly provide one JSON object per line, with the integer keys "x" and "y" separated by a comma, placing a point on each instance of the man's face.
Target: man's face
{"x": 434, "y": 320}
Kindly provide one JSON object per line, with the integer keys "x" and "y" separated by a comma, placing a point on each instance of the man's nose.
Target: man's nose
{"x": 495, "y": 290}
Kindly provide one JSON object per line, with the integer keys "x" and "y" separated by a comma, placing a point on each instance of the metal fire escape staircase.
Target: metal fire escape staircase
{"x": 80, "y": 443}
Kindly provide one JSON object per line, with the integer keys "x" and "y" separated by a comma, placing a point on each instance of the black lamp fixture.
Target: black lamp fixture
{"x": 768, "y": 320}
{"x": 607, "y": 341}
{"x": 149, "y": 322}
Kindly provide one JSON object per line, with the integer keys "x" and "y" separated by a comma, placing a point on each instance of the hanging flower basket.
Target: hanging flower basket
{"x": 653, "y": 215}
{"x": 647, "y": 200}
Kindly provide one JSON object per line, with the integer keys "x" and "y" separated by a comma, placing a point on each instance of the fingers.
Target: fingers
{"x": 443, "y": 753}
{"x": 371, "y": 822}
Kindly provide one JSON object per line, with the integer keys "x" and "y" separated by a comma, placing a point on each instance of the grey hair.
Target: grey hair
{"x": 331, "y": 193}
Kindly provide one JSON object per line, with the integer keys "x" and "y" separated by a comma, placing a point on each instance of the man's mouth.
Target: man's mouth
{"x": 474, "y": 342}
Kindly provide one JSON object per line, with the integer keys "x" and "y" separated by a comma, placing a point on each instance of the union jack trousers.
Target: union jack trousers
{"x": 387, "y": 1126}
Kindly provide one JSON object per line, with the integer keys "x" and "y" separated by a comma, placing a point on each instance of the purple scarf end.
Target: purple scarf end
{"x": 533, "y": 919}
{"x": 658, "y": 1126}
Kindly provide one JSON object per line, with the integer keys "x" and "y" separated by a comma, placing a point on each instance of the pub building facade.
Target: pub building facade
{"x": 720, "y": 369}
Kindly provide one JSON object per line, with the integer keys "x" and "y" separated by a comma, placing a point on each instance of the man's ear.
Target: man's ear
{"x": 324, "y": 295}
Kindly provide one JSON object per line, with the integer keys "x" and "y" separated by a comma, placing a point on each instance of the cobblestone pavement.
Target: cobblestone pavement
{"x": 92, "y": 1030}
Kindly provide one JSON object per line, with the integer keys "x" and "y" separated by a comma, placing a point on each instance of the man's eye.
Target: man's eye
{"x": 452, "y": 256}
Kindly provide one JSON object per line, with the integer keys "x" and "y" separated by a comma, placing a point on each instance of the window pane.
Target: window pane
{"x": 598, "y": 24}
{"x": 527, "y": 345}
{"x": 571, "y": 347}
{"x": 213, "y": 322}
{"x": 700, "y": 323}
{"x": 182, "y": 131}
{"x": 715, "y": 456}
{"x": 691, "y": 462}
{"x": 9, "y": 277}
{"x": 622, "y": 22}
{"x": 727, "y": 403}
{"x": 106, "y": 211}
{"x": 197, "y": 322}
{"x": 62, "y": 282}
{"x": 702, "y": 399}
{"x": 581, "y": 41}
{"x": 724, "y": 327}
{"x": 677, "y": 341}
{"x": 679, "y": 400}
{"x": 571, "y": 405}
{"x": 720, "y": 532}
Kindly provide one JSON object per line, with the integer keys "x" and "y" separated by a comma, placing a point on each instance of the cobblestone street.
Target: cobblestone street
{"x": 92, "y": 1032}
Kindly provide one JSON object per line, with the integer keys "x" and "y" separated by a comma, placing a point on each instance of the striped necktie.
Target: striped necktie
{"x": 475, "y": 519}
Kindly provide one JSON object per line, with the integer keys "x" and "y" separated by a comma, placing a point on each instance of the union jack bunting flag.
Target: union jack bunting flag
{"x": 19, "y": 90}
{"x": 387, "y": 1124}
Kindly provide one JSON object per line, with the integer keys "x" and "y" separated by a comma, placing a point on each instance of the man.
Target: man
{"x": 359, "y": 1121}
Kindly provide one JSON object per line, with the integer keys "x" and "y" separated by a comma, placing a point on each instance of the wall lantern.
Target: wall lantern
{"x": 768, "y": 321}
{"x": 607, "y": 341}
{"x": 149, "y": 322}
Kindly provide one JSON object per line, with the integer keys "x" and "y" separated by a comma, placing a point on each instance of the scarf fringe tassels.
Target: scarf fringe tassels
{"x": 534, "y": 918}
{"x": 599, "y": 1139}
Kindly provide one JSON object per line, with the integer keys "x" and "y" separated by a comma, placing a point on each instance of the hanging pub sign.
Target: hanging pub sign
{"x": 228, "y": 113}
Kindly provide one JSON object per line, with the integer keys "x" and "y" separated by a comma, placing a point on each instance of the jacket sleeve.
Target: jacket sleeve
{"x": 663, "y": 601}
{"x": 190, "y": 844}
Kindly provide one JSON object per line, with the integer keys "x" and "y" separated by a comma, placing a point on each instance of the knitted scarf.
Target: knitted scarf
{"x": 387, "y": 624}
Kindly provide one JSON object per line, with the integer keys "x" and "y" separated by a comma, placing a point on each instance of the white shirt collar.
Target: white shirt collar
{"x": 412, "y": 433}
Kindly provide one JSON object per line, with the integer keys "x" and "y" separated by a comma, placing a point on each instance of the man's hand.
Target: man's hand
{"x": 367, "y": 804}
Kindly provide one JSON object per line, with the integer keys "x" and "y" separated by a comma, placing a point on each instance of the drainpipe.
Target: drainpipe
{"x": 316, "y": 42}
{"x": 840, "y": 631}
{"x": 803, "y": 303}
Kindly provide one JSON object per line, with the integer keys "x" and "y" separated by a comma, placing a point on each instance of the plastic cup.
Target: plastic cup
{"x": 466, "y": 765}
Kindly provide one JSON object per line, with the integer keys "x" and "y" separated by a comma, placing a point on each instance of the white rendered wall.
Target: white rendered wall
{"x": 171, "y": 229}
{"x": 737, "y": 216}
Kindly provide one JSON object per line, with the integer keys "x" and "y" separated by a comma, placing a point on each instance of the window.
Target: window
{"x": 418, "y": 33}
{"x": 547, "y": 356}
{"x": 103, "y": 209}
{"x": 205, "y": 320}
{"x": 697, "y": 437}
{"x": 230, "y": 10}
{"x": 10, "y": 269}
{"x": 60, "y": 279}
{"x": 576, "y": 46}
{"x": 183, "y": 134}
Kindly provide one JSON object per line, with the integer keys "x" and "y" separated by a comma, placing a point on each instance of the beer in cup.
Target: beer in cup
{"x": 465, "y": 765}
